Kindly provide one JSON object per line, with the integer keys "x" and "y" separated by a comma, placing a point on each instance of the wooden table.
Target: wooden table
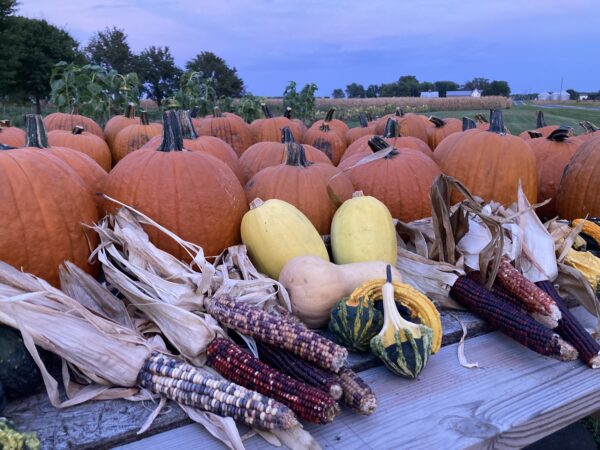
{"x": 516, "y": 397}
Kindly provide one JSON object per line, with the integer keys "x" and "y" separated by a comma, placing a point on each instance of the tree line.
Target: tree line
{"x": 409, "y": 86}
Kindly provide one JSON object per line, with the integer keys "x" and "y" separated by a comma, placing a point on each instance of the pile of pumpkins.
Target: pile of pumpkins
{"x": 197, "y": 176}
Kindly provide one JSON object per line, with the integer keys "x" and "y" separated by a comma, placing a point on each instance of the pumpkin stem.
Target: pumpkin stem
{"x": 75, "y": 110}
{"x": 194, "y": 112}
{"x": 187, "y": 126}
{"x": 540, "y": 119}
{"x": 286, "y": 135}
{"x": 217, "y": 112}
{"x": 377, "y": 143}
{"x": 534, "y": 134}
{"x": 172, "y": 140}
{"x": 437, "y": 121}
{"x": 5, "y": 123}
{"x": 295, "y": 155}
{"x": 144, "y": 118}
{"x": 35, "y": 131}
{"x": 356, "y": 194}
{"x": 391, "y": 129}
{"x": 288, "y": 113}
{"x": 362, "y": 120}
{"x": 6, "y": 147}
{"x": 497, "y": 122}
{"x": 256, "y": 203}
{"x": 468, "y": 124}
{"x": 265, "y": 110}
{"x": 561, "y": 134}
{"x": 329, "y": 115}
{"x": 481, "y": 118}
{"x": 589, "y": 124}
{"x": 78, "y": 129}
{"x": 399, "y": 112}
{"x": 369, "y": 116}
{"x": 130, "y": 110}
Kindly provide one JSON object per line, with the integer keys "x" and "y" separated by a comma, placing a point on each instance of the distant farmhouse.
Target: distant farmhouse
{"x": 553, "y": 96}
{"x": 436, "y": 94}
{"x": 430, "y": 94}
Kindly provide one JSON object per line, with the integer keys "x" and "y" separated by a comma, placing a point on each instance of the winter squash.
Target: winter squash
{"x": 64, "y": 121}
{"x": 84, "y": 142}
{"x": 193, "y": 194}
{"x": 552, "y": 154}
{"x": 303, "y": 184}
{"x": 578, "y": 194}
{"x": 230, "y": 128}
{"x": 441, "y": 128}
{"x": 266, "y": 233}
{"x": 491, "y": 163}
{"x": 408, "y": 125}
{"x": 326, "y": 139}
{"x": 315, "y": 285}
{"x": 541, "y": 128}
{"x": 207, "y": 144}
{"x": 363, "y": 129}
{"x": 335, "y": 124}
{"x": 43, "y": 204}
{"x": 269, "y": 128}
{"x": 266, "y": 154}
{"x": 90, "y": 172}
{"x": 400, "y": 178}
{"x": 117, "y": 123}
{"x": 133, "y": 137}
{"x": 11, "y": 136}
{"x": 360, "y": 148}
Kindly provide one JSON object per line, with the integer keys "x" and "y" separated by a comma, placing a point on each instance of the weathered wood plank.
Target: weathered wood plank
{"x": 515, "y": 398}
{"x": 105, "y": 424}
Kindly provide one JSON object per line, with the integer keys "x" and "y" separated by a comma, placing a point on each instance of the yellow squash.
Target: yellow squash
{"x": 363, "y": 230}
{"x": 275, "y": 232}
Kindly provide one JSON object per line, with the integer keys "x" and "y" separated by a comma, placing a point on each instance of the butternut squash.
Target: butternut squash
{"x": 363, "y": 230}
{"x": 275, "y": 232}
{"x": 316, "y": 285}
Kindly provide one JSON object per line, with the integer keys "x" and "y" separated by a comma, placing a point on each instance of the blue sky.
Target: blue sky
{"x": 529, "y": 43}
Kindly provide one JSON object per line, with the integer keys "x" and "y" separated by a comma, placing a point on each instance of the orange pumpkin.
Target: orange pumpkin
{"x": 363, "y": 129}
{"x": 578, "y": 195}
{"x": 193, "y": 194}
{"x": 401, "y": 179}
{"x": 43, "y": 204}
{"x": 228, "y": 127}
{"x": 208, "y": 144}
{"x": 552, "y": 154}
{"x": 540, "y": 128}
{"x": 267, "y": 154}
{"x": 491, "y": 163}
{"x": 133, "y": 137}
{"x": 441, "y": 128}
{"x": 84, "y": 142}
{"x": 335, "y": 124}
{"x": 408, "y": 125}
{"x": 448, "y": 143}
{"x": 11, "y": 136}
{"x": 117, "y": 123}
{"x": 300, "y": 125}
{"x": 304, "y": 185}
{"x": 269, "y": 128}
{"x": 326, "y": 139}
{"x": 64, "y": 121}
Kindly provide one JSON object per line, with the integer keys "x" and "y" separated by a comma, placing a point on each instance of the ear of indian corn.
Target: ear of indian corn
{"x": 299, "y": 369}
{"x": 186, "y": 384}
{"x": 358, "y": 395}
{"x": 590, "y": 228}
{"x": 570, "y": 328}
{"x": 510, "y": 320}
{"x": 308, "y": 402}
{"x": 278, "y": 331}
{"x": 539, "y": 304}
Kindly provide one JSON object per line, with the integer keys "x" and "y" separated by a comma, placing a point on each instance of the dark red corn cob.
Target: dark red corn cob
{"x": 510, "y": 320}
{"x": 239, "y": 366}
{"x": 299, "y": 369}
{"x": 279, "y": 331}
{"x": 573, "y": 332}
{"x": 358, "y": 395}
{"x": 539, "y": 304}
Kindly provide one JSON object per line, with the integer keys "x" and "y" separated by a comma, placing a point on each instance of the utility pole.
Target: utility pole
{"x": 561, "y": 86}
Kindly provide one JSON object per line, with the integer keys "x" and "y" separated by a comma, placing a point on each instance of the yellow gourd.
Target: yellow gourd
{"x": 315, "y": 286}
{"x": 275, "y": 232}
{"x": 363, "y": 230}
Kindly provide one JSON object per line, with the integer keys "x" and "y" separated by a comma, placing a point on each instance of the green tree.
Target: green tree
{"x": 338, "y": 93}
{"x": 29, "y": 49}
{"x": 408, "y": 86}
{"x": 573, "y": 94}
{"x": 7, "y": 8}
{"x": 110, "y": 49}
{"x": 390, "y": 90}
{"x": 227, "y": 81}
{"x": 302, "y": 103}
{"x": 373, "y": 90}
{"x": 158, "y": 73}
{"x": 426, "y": 86}
{"x": 497, "y": 87}
{"x": 355, "y": 90}
{"x": 477, "y": 83}
{"x": 444, "y": 86}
